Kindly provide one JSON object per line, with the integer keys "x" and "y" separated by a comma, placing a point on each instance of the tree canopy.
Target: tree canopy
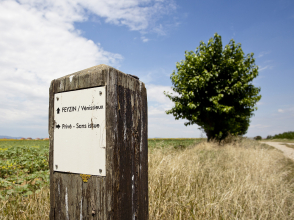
{"x": 213, "y": 88}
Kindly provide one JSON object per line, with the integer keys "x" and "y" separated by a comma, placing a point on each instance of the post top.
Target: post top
{"x": 96, "y": 68}
{"x": 95, "y": 76}
{"x": 99, "y": 67}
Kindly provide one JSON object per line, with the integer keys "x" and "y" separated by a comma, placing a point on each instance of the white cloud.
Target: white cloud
{"x": 38, "y": 43}
{"x": 276, "y": 127}
{"x": 160, "y": 30}
{"x": 155, "y": 93}
{"x": 263, "y": 53}
{"x": 136, "y": 14}
{"x": 144, "y": 39}
{"x": 271, "y": 121}
{"x": 264, "y": 68}
{"x": 268, "y": 61}
{"x": 289, "y": 109}
{"x": 156, "y": 110}
{"x": 153, "y": 75}
{"x": 166, "y": 126}
{"x": 159, "y": 123}
{"x": 158, "y": 102}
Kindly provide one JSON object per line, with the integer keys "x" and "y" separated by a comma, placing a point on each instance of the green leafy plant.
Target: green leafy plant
{"x": 213, "y": 89}
{"x": 285, "y": 135}
{"x": 258, "y": 138}
{"x": 24, "y": 166}
{"x": 269, "y": 137}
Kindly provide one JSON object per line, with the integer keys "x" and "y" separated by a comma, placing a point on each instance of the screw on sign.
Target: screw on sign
{"x": 98, "y": 167}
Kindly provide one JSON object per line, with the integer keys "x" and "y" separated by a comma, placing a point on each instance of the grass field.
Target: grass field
{"x": 177, "y": 143}
{"x": 188, "y": 179}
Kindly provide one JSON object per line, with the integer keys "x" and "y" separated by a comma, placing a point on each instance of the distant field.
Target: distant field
{"x": 175, "y": 142}
{"x": 188, "y": 179}
{"x": 279, "y": 140}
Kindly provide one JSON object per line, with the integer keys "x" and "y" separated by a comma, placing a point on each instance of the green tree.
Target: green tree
{"x": 213, "y": 88}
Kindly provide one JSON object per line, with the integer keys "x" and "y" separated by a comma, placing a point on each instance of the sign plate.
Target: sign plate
{"x": 80, "y": 132}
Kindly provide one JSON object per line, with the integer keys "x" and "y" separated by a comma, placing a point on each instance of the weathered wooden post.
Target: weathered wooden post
{"x": 98, "y": 146}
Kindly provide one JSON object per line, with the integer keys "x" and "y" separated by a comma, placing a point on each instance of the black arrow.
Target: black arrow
{"x": 58, "y": 126}
{"x": 58, "y": 110}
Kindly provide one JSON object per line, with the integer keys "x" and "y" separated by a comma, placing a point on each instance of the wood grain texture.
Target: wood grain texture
{"x": 123, "y": 192}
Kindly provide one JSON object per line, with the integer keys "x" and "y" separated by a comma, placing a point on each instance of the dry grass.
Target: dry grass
{"x": 247, "y": 180}
{"x": 289, "y": 145}
{"x": 35, "y": 206}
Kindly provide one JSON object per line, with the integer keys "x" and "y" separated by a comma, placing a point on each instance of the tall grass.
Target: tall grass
{"x": 35, "y": 206}
{"x": 246, "y": 180}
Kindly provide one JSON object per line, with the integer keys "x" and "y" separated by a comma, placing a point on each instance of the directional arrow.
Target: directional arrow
{"x": 58, "y": 126}
{"x": 58, "y": 110}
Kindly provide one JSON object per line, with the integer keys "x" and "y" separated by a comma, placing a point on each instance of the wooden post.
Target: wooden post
{"x": 122, "y": 193}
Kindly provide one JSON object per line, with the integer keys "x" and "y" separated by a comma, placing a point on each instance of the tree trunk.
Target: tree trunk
{"x": 209, "y": 135}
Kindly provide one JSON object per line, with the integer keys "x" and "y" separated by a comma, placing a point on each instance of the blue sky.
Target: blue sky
{"x": 44, "y": 40}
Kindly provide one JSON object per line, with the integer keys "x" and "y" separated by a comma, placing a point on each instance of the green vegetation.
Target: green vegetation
{"x": 213, "y": 88}
{"x": 258, "y": 138}
{"x": 24, "y": 166}
{"x": 285, "y": 135}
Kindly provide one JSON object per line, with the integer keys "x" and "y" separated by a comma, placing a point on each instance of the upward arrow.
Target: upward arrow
{"x": 58, "y": 110}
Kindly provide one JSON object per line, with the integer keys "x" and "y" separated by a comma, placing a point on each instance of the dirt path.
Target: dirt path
{"x": 288, "y": 152}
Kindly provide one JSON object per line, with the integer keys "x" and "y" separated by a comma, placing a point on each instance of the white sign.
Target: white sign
{"x": 80, "y": 132}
